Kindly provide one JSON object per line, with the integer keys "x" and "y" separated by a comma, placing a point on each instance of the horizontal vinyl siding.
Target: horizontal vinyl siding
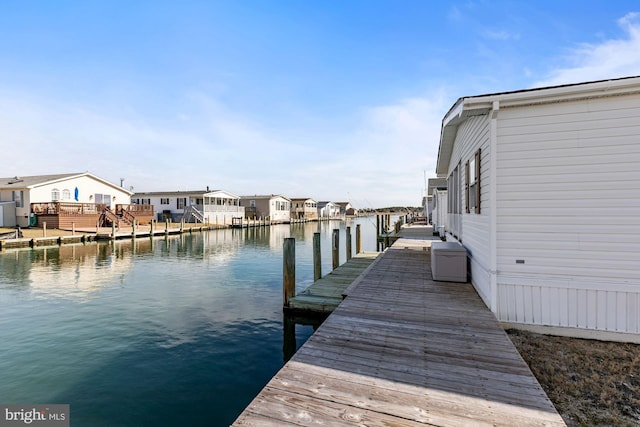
{"x": 473, "y": 229}
{"x": 568, "y": 205}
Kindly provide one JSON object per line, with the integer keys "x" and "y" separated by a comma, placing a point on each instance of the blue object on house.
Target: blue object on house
{"x": 75, "y": 194}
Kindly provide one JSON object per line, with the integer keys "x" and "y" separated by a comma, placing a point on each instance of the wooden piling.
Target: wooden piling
{"x": 151, "y": 229}
{"x": 133, "y": 228}
{"x": 317, "y": 260}
{"x": 335, "y": 249}
{"x": 289, "y": 270}
{"x": 358, "y": 245}
{"x": 113, "y": 230}
{"x": 73, "y": 228}
{"x": 44, "y": 229}
{"x": 348, "y": 243}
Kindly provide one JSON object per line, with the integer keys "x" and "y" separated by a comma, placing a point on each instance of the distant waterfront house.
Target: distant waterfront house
{"x": 304, "y": 208}
{"x": 212, "y": 207}
{"x": 328, "y": 210}
{"x": 274, "y": 207}
{"x": 544, "y": 193}
{"x": 61, "y": 200}
{"x": 346, "y": 209}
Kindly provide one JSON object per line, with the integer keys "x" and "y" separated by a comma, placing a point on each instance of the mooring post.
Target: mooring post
{"x": 151, "y": 229}
{"x": 378, "y": 233}
{"x": 44, "y": 229}
{"x": 113, "y": 230}
{"x": 289, "y": 269}
{"x": 73, "y": 228}
{"x": 358, "y": 246}
{"x": 317, "y": 261}
{"x": 348, "y": 243}
{"x": 133, "y": 228}
{"x": 335, "y": 249}
{"x": 166, "y": 226}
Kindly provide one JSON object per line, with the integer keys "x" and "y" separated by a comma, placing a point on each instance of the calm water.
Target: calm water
{"x": 178, "y": 331}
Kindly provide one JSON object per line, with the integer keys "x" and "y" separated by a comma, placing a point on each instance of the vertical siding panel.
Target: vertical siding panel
{"x": 528, "y": 304}
{"x": 537, "y": 305}
{"x": 592, "y": 309}
{"x": 554, "y": 306}
{"x": 632, "y": 312}
{"x": 583, "y": 308}
{"x": 572, "y": 308}
{"x": 503, "y": 303}
{"x": 519, "y": 295}
{"x": 511, "y": 303}
{"x": 563, "y": 306}
{"x": 619, "y": 311}
{"x": 601, "y": 298}
{"x": 544, "y": 300}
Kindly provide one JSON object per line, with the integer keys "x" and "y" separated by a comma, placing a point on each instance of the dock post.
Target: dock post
{"x": 317, "y": 261}
{"x": 289, "y": 338}
{"x": 151, "y": 229}
{"x": 113, "y": 230}
{"x": 44, "y": 229}
{"x": 73, "y": 228}
{"x": 289, "y": 269}
{"x": 133, "y": 228}
{"x": 378, "y": 232}
{"x": 335, "y": 250}
{"x": 358, "y": 246}
{"x": 348, "y": 245}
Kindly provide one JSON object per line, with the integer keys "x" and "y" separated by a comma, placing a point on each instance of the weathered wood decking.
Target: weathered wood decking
{"x": 325, "y": 294}
{"x": 403, "y": 350}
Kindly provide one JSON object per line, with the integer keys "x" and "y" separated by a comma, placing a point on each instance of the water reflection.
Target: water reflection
{"x": 131, "y": 331}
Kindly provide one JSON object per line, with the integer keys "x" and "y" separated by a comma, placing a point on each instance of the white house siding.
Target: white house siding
{"x": 439, "y": 214}
{"x": 473, "y": 229}
{"x": 568, "y": 206}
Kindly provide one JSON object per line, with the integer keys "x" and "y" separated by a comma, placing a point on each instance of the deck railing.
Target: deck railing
{"x": 67, "y": 208}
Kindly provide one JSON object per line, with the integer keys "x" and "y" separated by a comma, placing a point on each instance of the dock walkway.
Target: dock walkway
{"x": 403, "y": 350}
{"x": 325, "y": 294}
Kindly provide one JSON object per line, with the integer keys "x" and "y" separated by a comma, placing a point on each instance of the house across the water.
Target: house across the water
{"x": 273, "y": 207}
{"x": 544, "y": 193}
{"x": 205, "y": 206}
{"x": 66, "y": 200}
{"x": 304, "y": 208}
{"x": 328, "y": 210}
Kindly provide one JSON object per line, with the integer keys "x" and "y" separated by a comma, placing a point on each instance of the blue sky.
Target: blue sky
{"x": 335, "y": 100}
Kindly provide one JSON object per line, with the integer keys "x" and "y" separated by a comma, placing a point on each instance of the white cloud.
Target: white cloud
{"x": 605, "y": 60}
{"x": 501, "y": 35}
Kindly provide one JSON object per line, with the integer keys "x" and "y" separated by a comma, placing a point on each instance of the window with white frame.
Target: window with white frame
{"x": 472, "y": 184}
{"x": 66, "y": 194}
{"x": 181, "y": 202}
{"x": 18, "y": 197}
{"x": 164, "y": 200}
{"x": 55, "y": 195}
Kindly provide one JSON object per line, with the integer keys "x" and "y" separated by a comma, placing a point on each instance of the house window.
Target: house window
{"x": 55, "y": 195}
{"x": 472, "y": 185}
{"x": 252, "y": 203}
{"x": 18, "y": 197}
{"x": 181, "y": 202}
{"x": 164, "y": 201}
{"x": 453, "y": 184}
{"x": 66, "y": 194}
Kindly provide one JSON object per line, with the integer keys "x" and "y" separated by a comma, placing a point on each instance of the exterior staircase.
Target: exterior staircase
{"x": 191, "y": 213}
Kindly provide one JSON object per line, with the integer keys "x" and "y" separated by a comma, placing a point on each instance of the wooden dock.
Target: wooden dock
{"x": 326, "y": 293}
{"x": 403, "y": 350}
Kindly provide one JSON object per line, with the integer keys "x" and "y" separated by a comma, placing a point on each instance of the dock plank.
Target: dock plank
{"x": 402, "y": 349}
